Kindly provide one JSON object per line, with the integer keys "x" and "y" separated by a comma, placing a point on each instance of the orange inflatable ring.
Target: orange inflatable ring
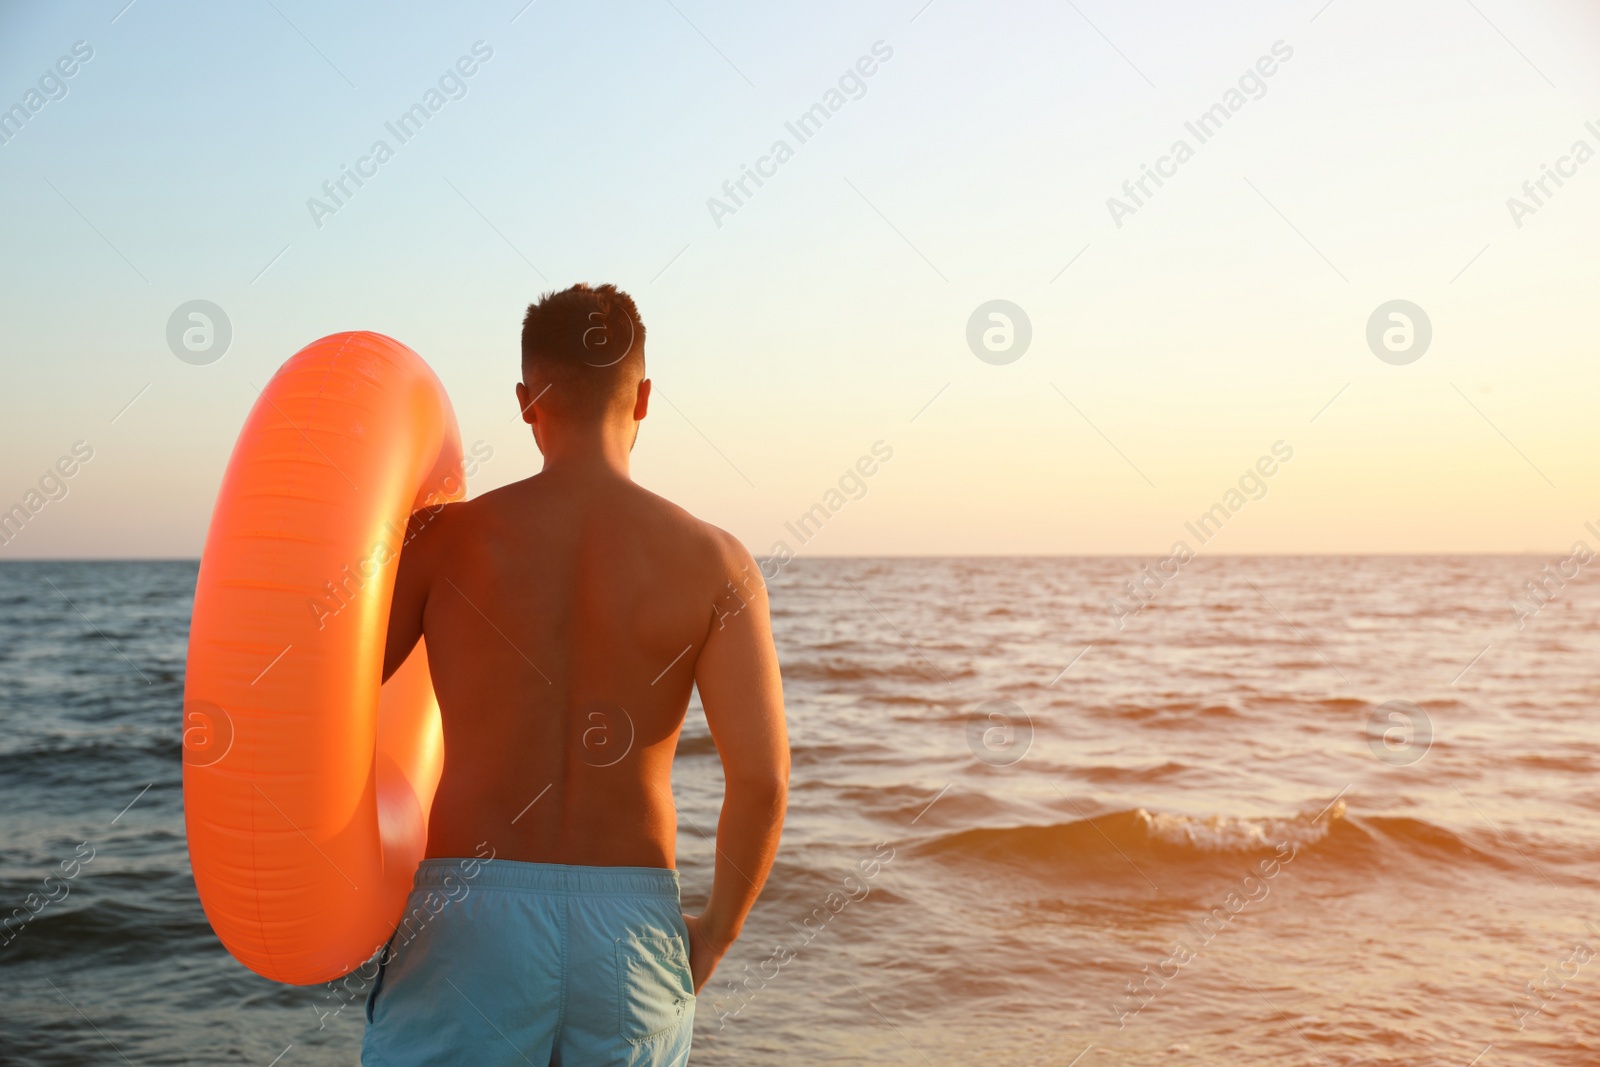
{"x": 306, "y": 782}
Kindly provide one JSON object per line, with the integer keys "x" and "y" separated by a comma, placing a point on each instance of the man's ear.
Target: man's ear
{"x": 641, "y": 405}
{"x": 525, "y": 400}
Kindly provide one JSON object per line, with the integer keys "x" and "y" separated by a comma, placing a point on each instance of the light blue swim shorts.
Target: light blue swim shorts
{"x": 534, "y": 964}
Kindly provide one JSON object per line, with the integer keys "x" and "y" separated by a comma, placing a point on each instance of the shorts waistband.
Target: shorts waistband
{"x": 550, "y": 877}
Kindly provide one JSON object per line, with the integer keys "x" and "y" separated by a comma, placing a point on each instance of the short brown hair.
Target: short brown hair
{"x": 586, "y": 342}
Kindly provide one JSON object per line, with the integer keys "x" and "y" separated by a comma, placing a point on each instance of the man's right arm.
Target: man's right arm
{"x": 737, "y": 675}
{"x": 409, "y": 600}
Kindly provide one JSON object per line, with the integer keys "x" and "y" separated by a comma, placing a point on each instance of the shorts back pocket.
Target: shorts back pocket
{"x": 655, "y": 989}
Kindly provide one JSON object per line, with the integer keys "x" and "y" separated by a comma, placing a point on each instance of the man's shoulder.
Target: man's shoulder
{"x": 717, "y": 553}
{"x": 433, "y": 527}
{"x": 711, "y": 538}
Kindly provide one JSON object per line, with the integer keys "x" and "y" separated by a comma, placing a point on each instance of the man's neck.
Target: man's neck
{"x": 587, "y": 462}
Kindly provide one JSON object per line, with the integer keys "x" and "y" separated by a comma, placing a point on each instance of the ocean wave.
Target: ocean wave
{"x": 1161, "y": 772}
{"x": 81, "y": 768}
{"x": 113, "y": 931}
{"x": 1121, "y": 844}
{"x": 913, "y": 669}
{"x": 1172, "y": 713}
{"x": 91, "y": 752}
{"x": 1420, "y": 837}
{"x": 696, "y": 745}
{"x": 1571, "y": 764}
{"x": 1136, "y": 830}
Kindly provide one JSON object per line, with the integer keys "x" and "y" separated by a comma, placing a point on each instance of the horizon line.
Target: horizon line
{"x": 947, "y": 555}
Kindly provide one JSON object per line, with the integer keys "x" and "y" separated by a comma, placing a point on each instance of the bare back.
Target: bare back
{"x": 566, "y": 620}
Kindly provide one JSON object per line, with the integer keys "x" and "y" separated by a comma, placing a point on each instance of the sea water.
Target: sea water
{"x": 1293, "y": 811}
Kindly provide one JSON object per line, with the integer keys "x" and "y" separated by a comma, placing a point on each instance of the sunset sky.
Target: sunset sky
{"x": 1171, "y": 346}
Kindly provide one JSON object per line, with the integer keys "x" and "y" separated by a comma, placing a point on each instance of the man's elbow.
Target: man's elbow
{"x": 761, "y": 789}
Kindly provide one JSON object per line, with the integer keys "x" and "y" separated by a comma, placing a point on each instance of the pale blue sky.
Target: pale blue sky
{"x": 826, "y": 312}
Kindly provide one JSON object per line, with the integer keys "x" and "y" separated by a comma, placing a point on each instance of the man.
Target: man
{"x": 566, "y": 618}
